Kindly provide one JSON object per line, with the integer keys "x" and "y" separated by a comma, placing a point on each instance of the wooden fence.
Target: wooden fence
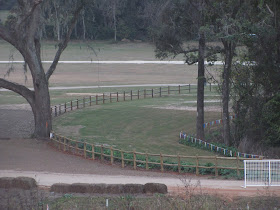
{"x": 122, "y": 96}
{"x": 146, "y": 160}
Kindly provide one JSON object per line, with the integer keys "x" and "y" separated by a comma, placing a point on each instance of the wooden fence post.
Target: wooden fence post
{"x": 147, "y": 161}
{"x": 85, "y": 150}
{"x": 103, "y": 98}
{"x": 131, "y": 95}
{"x": 71, "y": 105}
{"x": 96, "y": 99}
{"x": 160, "y": 92}
{"x": 92, "y": 151}
{"x": 59, "y": 143}
{"x": 55, "y": 111}
{"x": 102, "y": 157}
{"x": 112, "y": 155}
{"x": 138, "y": 95}
{"x": 124, "y": 95}
{"x": 59, "y": 108}
{"x": 122, "y": 159}
{"x": 117, "y": 96}
{"x": 64, "y": 107}
{"x": 196, "y": 168}
{"x": 237, "y": 165}
{"x": 64, "y": 144}
{"x": 134, "y": 160}
{"x": 77, "y": 103}
{"x": 216, "y": 165}
{"x": 84, "y": 102}
{"x": 161, "y": 163}
{"x": 110, "y": 97}
{"x": 89, "y": 100}
{"x": 179, "y": 163}
{"x": 152, "y": 93}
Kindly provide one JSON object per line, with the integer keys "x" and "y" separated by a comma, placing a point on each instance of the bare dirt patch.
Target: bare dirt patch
{"x": 17, "y": 123}
{"x": 188, "y": 108}
{"x": 70, "y": 130}
{"x": 16, "y": 107}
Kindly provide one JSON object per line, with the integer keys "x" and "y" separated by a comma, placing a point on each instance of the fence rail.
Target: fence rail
{"x": 122, "y": 96}
{"x": 145, "y": 160}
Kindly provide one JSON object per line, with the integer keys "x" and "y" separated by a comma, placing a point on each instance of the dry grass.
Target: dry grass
{"x": 102, "y": 74}
{"x": 112, "y": 74}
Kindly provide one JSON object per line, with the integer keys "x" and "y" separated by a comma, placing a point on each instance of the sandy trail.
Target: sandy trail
{"x": 36, "y": 159}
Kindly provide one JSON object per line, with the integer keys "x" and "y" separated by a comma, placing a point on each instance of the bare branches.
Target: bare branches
{"x": 17, "y": 88}
{"x": 36, "y": 3}
{"x": 63, "y": 44}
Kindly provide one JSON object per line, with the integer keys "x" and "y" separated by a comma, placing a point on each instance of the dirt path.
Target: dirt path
{"x": 35, "y": 158}
{"x": 17, "y": 123}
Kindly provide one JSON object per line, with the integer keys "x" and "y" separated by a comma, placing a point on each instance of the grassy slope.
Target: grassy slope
{"x": 135, "y": 125}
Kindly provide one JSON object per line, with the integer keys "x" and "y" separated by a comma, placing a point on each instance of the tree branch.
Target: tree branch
{"x": 6, "y": 35}
{"x": 19, "y": 89}
{"x": 63, "y": 44}
{"x": 36, "y": 3}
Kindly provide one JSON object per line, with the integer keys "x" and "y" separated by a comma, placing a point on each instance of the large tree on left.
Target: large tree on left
{"x": 25, "y": 35}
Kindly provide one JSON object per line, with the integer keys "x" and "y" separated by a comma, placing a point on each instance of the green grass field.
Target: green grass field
{"x": 145, "y": 125}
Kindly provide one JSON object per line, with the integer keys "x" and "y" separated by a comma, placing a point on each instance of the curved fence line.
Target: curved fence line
{"x": 188, "y": 139}
{"x": 98, "y": 99}
{"x": 139, "y": 160}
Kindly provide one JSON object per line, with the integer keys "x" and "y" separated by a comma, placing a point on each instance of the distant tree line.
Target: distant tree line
{"x": 105, "y": 19}
{"x": 7, "y": 4}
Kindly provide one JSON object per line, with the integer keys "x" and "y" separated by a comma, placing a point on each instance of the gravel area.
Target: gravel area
{"x": 17, "y": 123}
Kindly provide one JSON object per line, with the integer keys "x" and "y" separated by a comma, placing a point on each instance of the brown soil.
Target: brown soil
{"x": 19, "y": 154}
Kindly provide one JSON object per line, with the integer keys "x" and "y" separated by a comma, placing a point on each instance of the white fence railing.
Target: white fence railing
{"x": 261, "y": 173}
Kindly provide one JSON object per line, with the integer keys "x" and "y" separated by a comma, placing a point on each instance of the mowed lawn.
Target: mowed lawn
{"x": 143, "y": 125}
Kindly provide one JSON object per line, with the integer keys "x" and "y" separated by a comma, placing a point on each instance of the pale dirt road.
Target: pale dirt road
{"x": 34, "y": 158}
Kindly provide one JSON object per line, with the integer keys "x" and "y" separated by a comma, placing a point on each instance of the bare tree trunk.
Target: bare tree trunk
{"x": 200, "y": 88}
{"x": 229, "y": 50}
{"x": 41, "y": 110}
{"x": 57, "y": 24}
{"x": 84, "y": 25}
{"x": 115, "y": 20}
{"x": 25, "y": 37}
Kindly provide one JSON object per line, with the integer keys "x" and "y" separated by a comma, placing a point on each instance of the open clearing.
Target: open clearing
{"x": 35, "y": 158}
{"x": 103, "y": 74}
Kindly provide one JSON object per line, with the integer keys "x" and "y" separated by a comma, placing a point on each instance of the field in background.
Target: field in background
{"x": 150, "y": 125}
{"x": 103, "y": 74}
{"x": 3, "y": 15}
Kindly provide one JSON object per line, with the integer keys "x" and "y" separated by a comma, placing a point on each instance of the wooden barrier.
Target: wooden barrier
{"x": 91, "y": 151}
{"x": 60, "y": 109}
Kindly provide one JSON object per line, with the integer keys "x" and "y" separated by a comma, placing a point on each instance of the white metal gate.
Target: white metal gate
{"x": 262, "y": 173}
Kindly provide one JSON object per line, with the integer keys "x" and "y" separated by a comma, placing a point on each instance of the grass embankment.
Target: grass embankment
{"x": 145, "y": 125}
{"x": 192, "y": 202}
